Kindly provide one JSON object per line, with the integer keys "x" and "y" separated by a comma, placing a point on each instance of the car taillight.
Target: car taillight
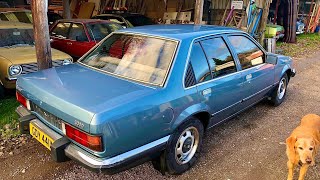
{"x": 89, "y": 141}
{"x": 24, "y": 101}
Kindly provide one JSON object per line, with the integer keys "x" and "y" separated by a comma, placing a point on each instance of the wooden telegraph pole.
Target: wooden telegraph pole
{"x": 41, "y": 33}
{"x": 198, "y": 11}
{"x": 264, "y": 19}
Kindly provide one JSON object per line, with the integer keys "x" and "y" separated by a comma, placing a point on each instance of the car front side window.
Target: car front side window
{"x": 249, "y": 54}
{"x": 219, "y": 57}
{"x": 61, "y": 30}
{"x": 77, "y": 33}
{"x": 199, "y": 64}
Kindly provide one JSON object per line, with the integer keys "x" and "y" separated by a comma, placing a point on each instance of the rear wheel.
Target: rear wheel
{"x": 280, "y": 92}
{"x": 183, "y": 148}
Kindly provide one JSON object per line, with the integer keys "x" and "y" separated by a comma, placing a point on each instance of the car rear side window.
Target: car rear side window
{"x": 77, "y": 33}
{"x": 199, "y": 64}
{"x": 249, "y": 54}
{"x": 98, "y": 31}
{"x": 61, "y": 30}
{"x": 219, "y": 57}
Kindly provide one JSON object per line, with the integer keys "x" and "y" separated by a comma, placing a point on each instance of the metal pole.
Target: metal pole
{"x": 41, "y": 33}
{"x": 198, "y": 11}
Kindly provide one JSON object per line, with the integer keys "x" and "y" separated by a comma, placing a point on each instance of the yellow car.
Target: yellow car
{"x": 18, "y": 54}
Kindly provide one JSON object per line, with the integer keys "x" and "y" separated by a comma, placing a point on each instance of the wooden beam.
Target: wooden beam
{"x": 41, "y": 33}
{"x": 198, "y": 11}
{"x": 66, "y": 9}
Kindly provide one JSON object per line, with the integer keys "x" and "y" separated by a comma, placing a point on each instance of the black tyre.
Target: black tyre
{"x": 2, "y": 91}
{"x": 279, "y": 93}
{"x": 183, "y": 148}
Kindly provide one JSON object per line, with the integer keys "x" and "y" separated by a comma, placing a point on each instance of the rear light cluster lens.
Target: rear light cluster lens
{"x": 24, "y": 101}
{"x": 89, "y": 141}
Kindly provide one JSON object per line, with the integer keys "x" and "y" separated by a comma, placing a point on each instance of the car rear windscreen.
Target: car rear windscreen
{"x": 140, "y": 58}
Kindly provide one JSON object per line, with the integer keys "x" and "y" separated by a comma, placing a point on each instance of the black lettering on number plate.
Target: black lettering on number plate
{"x": 45, "y": 139}
{"x": 35, "y": 132}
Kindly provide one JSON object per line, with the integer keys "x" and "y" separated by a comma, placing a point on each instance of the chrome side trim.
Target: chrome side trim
{"x": 232, "y": 105}
{"x": 94, "y": 161}
{"x": 253, "y": 95}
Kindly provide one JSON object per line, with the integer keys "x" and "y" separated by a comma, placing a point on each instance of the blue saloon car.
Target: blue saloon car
{"x": 149, "y": 93}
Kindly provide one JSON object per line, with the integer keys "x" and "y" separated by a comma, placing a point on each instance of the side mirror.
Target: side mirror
{"x": 272, "y": 59}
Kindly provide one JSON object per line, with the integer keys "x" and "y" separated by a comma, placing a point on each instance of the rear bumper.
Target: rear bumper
{"x": 62, "y": 149}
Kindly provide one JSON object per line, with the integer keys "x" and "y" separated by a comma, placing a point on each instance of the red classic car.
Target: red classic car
{"x": 78, "y": 36}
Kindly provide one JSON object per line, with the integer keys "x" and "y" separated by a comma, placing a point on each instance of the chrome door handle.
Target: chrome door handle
{"x": 206, "y": 92}
{"x": 69, "y": 43}
{"x": 248, "y": 77}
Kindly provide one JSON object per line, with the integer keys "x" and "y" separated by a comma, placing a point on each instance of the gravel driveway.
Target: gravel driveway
{"x": 248, "y": 147}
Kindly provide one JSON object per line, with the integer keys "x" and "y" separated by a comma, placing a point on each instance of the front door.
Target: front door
{"x": 258, "y": 75}
{"x": 58, "y": 36}
{"x": 78, "y": 42}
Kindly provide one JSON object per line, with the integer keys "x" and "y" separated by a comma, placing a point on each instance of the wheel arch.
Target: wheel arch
{"x": 199, "y": 111}
{"x": 288, "y": 72}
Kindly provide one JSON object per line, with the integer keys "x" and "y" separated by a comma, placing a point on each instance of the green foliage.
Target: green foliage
{"x": 8, "y": 116}
{"x": 305, "y": 46}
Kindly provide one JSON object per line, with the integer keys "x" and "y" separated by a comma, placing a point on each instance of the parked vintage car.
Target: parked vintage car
{"x": 300, "y": 26}
{"x": 127, "y": 20}
{"x": 18, "y": 54}
{"x": 25, "y": 16}
{"x": 149, "y": 93}
{"x": 78, "y": 36}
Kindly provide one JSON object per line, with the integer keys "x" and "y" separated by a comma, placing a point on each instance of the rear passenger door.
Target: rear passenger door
{"x": 258, "y": 75}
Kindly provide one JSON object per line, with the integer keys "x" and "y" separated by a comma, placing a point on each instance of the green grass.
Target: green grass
{"x": 8, "y": 114}
{"x": 306, "y": 44}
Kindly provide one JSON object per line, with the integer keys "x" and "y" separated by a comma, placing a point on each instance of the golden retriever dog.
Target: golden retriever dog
{"x": 302, "y": 145}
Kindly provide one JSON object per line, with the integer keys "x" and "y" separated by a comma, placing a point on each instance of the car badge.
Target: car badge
{"x": 78, "y": 124}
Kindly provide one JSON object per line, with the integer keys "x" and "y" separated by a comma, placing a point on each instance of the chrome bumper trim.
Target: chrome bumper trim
{"x": 94, "y": 162}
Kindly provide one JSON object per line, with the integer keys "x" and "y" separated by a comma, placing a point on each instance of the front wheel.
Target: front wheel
{"x": 280, "y": 92}
{"x": 183, "y": 148}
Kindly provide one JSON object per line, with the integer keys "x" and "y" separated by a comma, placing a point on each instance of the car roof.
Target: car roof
{"x": 82, "y": 20}
{"x": 181, "y": 31}
{"x": 15, "y": 25}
